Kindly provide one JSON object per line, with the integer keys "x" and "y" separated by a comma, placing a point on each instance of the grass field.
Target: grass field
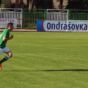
{"x": 47, "y": 60}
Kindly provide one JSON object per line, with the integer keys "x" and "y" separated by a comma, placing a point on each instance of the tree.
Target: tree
{"x": 0, "y": 2}
{"x": 61, "y": 4}
{"x": 77, "y": 4}
{"x": 42, "y": 4}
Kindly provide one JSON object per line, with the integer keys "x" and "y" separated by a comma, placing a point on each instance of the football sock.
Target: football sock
{"x": 4, "y": 59}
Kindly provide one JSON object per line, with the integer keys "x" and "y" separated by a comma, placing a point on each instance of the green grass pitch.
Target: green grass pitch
{"x": 47, "y": 60}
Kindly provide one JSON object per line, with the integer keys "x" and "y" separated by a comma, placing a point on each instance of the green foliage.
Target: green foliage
{"x": 77, "y": 4}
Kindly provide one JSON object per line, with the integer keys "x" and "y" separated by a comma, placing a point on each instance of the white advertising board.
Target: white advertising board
{"x": 70, "y": 25}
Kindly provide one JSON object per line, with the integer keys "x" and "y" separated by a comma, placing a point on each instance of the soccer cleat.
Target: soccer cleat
{"x": 0, "y": 67}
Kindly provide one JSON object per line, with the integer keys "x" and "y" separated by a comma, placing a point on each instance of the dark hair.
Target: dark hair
{"x": 10, "y": 24}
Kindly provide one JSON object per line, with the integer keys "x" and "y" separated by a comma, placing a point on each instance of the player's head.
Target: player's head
{"x": 10, "y": 26}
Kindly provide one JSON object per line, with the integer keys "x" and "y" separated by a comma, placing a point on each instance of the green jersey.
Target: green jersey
{"x": 4, "y": 34}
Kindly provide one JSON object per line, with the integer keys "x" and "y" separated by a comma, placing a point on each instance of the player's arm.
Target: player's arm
{"x": 8, "y": 38}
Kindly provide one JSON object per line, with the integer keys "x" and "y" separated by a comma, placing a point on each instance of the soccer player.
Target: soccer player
{"x": 4, "y": 37}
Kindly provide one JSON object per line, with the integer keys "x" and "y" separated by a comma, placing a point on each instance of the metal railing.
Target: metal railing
{"x": 11, "y": 15}
{"x": 27, "y": 19}
{"x": 78, "y": 14}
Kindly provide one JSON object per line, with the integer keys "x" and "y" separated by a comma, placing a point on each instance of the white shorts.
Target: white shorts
{"x": 4, "y": 50}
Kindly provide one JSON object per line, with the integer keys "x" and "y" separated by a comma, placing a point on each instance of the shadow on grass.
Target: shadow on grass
{"x": 66, "y": 70}
{"x": 47, "y": 70}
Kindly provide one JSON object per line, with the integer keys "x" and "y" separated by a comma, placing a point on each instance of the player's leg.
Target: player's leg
{"x": 1, "y": 52}
{"x": 8, "y": 53}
